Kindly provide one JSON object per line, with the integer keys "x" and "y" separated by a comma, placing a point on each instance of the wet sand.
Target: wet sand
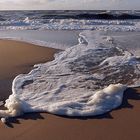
{"x": 120, "y": 124}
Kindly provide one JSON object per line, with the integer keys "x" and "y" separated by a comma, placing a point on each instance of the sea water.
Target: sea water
{"x": 85, "y": 79}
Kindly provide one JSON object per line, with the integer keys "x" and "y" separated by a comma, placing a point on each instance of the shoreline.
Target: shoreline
{"x": 19, "y": 57}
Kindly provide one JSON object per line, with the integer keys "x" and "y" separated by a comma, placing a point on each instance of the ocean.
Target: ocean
{"x": 70, "y": 20}
{"x": 42, "y": 27}
{"x": 99, "y": 61}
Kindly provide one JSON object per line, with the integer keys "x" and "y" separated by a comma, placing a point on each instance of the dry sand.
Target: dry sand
{"x": 121, "y": 124}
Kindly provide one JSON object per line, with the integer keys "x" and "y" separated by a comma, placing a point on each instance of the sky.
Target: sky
{"x": 70, "y": 4}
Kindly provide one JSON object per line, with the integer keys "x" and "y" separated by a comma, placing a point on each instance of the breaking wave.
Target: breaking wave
{"x": 70, "y": 20}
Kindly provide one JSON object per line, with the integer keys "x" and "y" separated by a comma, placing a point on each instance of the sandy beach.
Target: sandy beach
{"x": 120, "y": 124}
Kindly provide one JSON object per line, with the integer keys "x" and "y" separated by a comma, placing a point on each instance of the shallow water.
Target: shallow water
{"x": 49, "y": 38}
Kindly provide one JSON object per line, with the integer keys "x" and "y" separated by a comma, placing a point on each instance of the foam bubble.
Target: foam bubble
{"x": 109, "y": 96}
{"x": 14, "y": 107}
{"x": 3, "y": 120}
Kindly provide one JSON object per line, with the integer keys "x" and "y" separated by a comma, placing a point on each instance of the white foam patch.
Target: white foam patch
{"x": 82, "y": 80}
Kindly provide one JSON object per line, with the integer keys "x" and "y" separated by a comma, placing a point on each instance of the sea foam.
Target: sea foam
{"x": 85, "y": 80}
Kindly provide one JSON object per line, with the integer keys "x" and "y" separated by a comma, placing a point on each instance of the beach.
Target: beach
{"x": 120, "y": 124}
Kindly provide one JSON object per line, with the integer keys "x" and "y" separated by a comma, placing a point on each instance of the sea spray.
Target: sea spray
{"x": 82, "y": 80}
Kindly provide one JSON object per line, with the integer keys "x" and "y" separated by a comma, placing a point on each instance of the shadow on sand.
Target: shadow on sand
{"x": 28, "y": 116}
{"x": 129, "y": 94}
